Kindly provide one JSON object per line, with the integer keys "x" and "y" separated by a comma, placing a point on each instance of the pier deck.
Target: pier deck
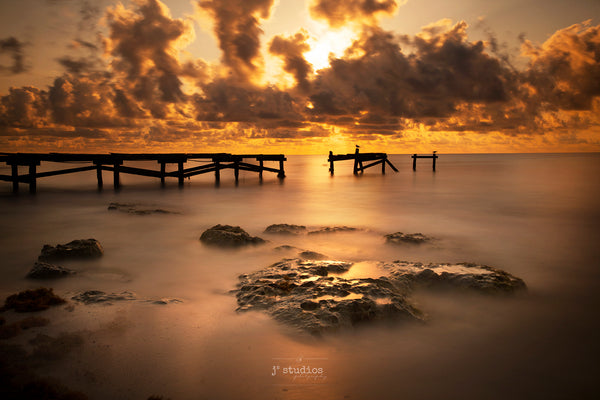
{"x": 114, "y": 162}
{"x": 360, "y": 159}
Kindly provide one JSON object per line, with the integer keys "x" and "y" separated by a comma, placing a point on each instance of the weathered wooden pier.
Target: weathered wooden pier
{"x": 360, "y": 159}
{"x": 212, "y": 162}
{"x": 434, "y": 157}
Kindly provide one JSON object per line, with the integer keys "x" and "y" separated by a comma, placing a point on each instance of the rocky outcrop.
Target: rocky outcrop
{"x": 43, "y": 270}
{"x": 285, "y": 229}
{"x": 32, "y": 300}
{"x": 229, "y": 236}
{"x": 97, "y": 296}
{"x": 314, "y": 296}
{"x": 138, "y": 209}
{"x": 83, "y": 248}
{"x": 333, "y": 229}
{"x": 407, "y": 238}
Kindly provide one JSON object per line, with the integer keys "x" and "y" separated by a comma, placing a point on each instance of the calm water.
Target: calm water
{"x": 535, "y": 216}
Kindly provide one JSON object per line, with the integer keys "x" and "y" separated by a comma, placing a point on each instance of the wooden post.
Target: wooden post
{"x": 116, "y": 181}
{"x": 15, "y": 177}
{"x": 32, "y": 178}
{"x": 383, "y": 160}
{"x": 434, "y": 158}
{"x": 236, "y": 170}
{"x": 356, "y": 161}
{"x": 163, "y": 170}
{"x": 331, "y": 162}
{"x": 99, "y": 175}
{"x": 414, "y": 157}
{"x": 180, "y": 172}
{"x": 260, "y": 172}
{"x": 281, "y": 173}
{"x": 217, "y": 171}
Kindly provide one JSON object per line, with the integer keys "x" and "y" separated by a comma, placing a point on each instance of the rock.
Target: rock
{"x": 304, "y": 295}
{"x": 313, "y": 296}
{"x": 83, "y": 248}
{"x": 42, "y": 270}
{"x": 97, "y": 296}
{"x": 463, "y": 276}
{"x": 334, "y": 229}
{"x": 406, "y": 238}
{"x": 312, "y": 255}
{"x": 32, "y": 300}
{"x": 286, "y": 229}
{"x": 138, "y": 209}
{"x": 228, "y": 236}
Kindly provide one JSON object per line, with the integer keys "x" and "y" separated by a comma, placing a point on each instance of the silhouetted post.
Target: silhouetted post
{"x": 356, "y": 161}
{"x": 383, "y": 164}
{"x": 331, "y": 169}
{"x": 180, "y": 172}
{"x": 281, "y": 173}
{"x": 414, "y": 157}
{"x": 236, "y": 170}
{"x": 261, "y": 165}
{"x": 116, "y": 180}
{"x": 15, "y": 177}
{"x": 217, "y": 171}
{"x": 32, "y": 178}
{"x": 434, "y": 158}
{"x": 99, "y": 175}
{"x": 163, "y": 170}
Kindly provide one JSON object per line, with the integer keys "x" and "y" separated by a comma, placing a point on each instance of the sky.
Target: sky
{"x": 300, "y": 76}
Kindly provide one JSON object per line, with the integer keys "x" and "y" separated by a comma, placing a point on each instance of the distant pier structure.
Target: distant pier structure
{"x": 115, "y": 162}
{"x": 434, "y": 157}
{"x": 360, "y": 159}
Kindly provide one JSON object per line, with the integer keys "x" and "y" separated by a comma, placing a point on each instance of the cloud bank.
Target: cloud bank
{"x": 436, "y": 86}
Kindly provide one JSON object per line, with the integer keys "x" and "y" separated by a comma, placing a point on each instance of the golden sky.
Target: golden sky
{"x": 300, "y": 77}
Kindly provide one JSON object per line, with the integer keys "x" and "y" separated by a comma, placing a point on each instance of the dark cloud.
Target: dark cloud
{"x": 337, "y": 12}
{"x": 14, "y": 48}
{"x": 237, "y": 27}
{"x": 291, "y": 50}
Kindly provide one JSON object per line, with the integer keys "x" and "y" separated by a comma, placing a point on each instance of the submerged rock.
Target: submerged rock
{"x": 469, "y": 276}
{"x": 82, "y": 248}
{"x": 98, "y": 296}
{"x": 138, "y": 209}
{"x": 32, "y": 300}
{"x": 312, "y": 255}
{"x": 229, "y": 236}
{"x": 314, "y": 296}
{"x": 286, "y": 229}
{"x": 333, "y": 229}
{"x": 407, "y": 238}
{"x": 43, "y": 270}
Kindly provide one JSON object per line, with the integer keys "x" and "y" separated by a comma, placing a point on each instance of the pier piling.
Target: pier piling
{"x": 359, "y": 160}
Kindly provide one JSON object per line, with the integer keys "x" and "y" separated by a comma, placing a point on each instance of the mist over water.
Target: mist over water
{"x": 535, "y": 216}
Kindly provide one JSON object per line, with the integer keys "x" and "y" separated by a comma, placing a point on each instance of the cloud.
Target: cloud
{"x": 237, "y": 27}
{"x": 291, "y": 50}
{"x": 14, "y": 48}
{"x": 338, "y": 13}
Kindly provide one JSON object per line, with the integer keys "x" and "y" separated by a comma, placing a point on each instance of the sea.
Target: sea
{"x": 536, "y": 216}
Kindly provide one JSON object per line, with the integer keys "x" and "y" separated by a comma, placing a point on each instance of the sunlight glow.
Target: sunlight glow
{"x": 325, "y": 41}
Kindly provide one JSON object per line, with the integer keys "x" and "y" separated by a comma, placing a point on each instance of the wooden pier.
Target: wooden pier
{"x": 434, "y": 157}
{"x": 360, "y": 159}
{"x": 212, "y": 162}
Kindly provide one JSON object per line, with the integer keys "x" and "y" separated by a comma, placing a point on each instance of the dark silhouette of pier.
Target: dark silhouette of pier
{"x": 434, "y": 157}
{"x": 359, "y": 160}
{"x": 115, "y": 162}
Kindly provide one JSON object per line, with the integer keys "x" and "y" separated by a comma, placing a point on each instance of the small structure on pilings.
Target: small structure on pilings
{"x": 360, "y": 159}
{"x": 213, "y": 162}
{"x": 434, "y": 157}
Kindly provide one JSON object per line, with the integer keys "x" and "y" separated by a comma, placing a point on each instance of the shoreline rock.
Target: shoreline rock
{"x": 43, "y": 270}
{"x": 285, "y": 229}
{"x": 314, "y": 296}
{"x": 76, "y": 249}
{"x": 32, "y": 300}
{"x": 333, "y": 229}
{"x": 229, "y": 236}
{"x": 407, "y": 238}
{"x": 137, "y": 209}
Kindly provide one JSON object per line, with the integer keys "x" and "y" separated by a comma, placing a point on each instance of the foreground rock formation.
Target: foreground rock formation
{"x": 43, "y": 270}
{"x": 406, "y": 238}
{"x": 315, "y": 297}
{"x": 82, "y": 248}
{"x": 229, "y": 236}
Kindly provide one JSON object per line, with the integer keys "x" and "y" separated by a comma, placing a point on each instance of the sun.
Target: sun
{"x": 324, "y": 41}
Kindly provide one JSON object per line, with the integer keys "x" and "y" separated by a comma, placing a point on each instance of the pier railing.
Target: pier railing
{"x": 115, "y": 162}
